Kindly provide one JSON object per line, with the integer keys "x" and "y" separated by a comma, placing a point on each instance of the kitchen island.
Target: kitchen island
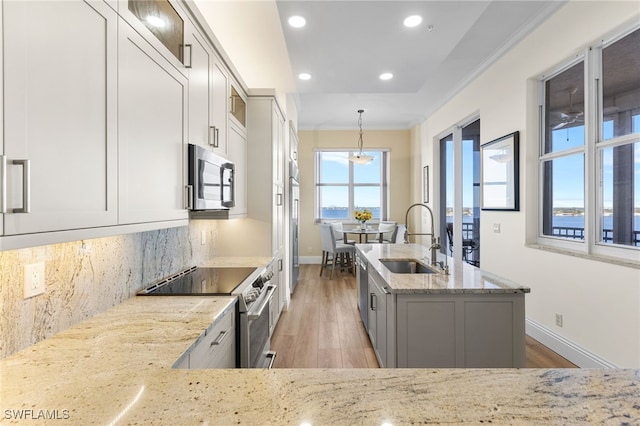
{"x": 463, "y": 318}
{"x": 116, "y": 368}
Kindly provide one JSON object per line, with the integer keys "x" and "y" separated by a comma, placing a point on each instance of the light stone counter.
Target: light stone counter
{"x": 115, "y": 368}
{"x": 462, "y": 278}
{"x": 258, "y": 262}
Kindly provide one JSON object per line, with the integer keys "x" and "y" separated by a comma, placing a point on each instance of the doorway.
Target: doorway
{"x": 460, "y": 193}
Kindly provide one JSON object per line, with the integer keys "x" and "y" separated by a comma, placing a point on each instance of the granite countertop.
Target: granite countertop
{"x": 115, "y": 369}
{"x": 462, "y": 278}
{"x": 258, "y": 262}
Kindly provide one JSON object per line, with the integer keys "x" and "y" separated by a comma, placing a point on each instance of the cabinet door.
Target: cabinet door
{"x": 378, "y": 320}
{"x": 238, "y": 155}
{"x": 219, "y": 102}
{"x": 277, "y": 227}
{"x": 60, "y": 115}
{"x": 200, "y": 58}
{"x": 151, "y": 115}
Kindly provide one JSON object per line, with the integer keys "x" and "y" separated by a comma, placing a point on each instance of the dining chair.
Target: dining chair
{"x": 388, "y": 230}
{"x": 400, "y": 231}
{"x": 333, "y": 252}
{"x": 338, "y": 234}
{"x": 468, "y": 245}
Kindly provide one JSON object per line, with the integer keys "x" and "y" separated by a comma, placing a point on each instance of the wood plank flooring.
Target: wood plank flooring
{"x": 323, "y": 329}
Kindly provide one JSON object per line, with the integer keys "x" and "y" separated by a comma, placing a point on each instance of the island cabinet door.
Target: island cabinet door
{"x": 463, "y": 330}
{"x": 426, "y": 335}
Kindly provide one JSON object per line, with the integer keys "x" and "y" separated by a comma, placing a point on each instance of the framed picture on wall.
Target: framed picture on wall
{"x": 425, "y": 184}
{"x": 500, "y": 173}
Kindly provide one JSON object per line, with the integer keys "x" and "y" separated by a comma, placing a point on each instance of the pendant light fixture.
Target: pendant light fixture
{"x": 360, "y": 157}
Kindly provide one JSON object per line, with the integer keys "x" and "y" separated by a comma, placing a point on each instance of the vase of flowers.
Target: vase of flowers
{"x": 363, "y": 216}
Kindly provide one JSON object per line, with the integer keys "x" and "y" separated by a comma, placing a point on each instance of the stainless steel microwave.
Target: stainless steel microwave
{"x": 211, "y": 180}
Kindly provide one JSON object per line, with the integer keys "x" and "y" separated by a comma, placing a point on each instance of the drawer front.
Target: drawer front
{"x": 217, "y": 346}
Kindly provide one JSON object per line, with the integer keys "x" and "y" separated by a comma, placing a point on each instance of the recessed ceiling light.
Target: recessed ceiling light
{"x": 386, "y": 76}
{"x": 304, "y": 76}
{"x": 297, "y": 21}
{"x": 412, "y": 21}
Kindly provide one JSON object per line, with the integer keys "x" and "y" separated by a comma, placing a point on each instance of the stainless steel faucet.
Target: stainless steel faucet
{"x": 435, "y": 241}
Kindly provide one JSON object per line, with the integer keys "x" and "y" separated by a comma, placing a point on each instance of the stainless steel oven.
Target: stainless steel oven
{"x": 254, "y": 332}
{"x": 254, "y": 291}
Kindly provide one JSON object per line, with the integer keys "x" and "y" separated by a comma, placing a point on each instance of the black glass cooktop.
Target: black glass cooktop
{"x": 211, "y": 281}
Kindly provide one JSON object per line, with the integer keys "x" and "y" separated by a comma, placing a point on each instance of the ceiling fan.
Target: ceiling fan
{"x": 570, "y": 116}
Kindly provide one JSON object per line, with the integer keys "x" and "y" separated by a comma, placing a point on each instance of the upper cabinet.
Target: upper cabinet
{"x": 97, "y": 114}
{"x": 163, "y": 23}
{"x": 238, "y": 107}
{"x": 60, "y": 124}
{"x": 265, "y": 131}
{"x": 208, "y": 92}
{"x": 152, "y": 98}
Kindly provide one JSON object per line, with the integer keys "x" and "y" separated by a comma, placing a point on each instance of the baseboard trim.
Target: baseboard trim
{"x": 566, "y": 348}
{"x": 310, "y": 260}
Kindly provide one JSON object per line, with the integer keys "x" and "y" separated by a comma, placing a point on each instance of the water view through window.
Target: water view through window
{"x": 342, "y": 186}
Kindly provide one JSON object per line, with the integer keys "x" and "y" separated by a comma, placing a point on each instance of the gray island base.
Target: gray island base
{"x": 466, "y": 319}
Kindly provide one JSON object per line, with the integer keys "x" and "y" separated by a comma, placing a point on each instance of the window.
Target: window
{"x": 342, "y": 186}
{"x": 590, "y": 150}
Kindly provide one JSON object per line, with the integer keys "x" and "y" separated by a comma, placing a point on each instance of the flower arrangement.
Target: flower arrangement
{"x": 363, "y": 215}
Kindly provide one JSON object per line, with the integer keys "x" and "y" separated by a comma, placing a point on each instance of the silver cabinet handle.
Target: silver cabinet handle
{"x": 219, "y": 339}
{"x": 3, "y": 183}
{"x": 279, "y": 199}
{"x": 373, "y": 305}
{"x": 280, "y": 263}
{"x": 272, "y": 357}
{"x": 189, "y": 195}
{"x": 214, "y": 137}
{"x": 189, "y": 65}
{"x": 26, "y": 186}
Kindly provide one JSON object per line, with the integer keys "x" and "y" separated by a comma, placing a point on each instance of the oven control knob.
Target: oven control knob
{"x": 259, "y": 283}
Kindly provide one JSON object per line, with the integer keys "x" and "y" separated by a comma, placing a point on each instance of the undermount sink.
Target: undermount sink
{"x": 406, "y": 266}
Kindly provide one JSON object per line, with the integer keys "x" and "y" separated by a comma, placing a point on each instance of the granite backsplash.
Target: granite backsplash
{"x": 87, "y": 277}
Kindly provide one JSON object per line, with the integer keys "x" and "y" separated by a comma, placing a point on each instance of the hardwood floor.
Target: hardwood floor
{"x": 322, "y": 328}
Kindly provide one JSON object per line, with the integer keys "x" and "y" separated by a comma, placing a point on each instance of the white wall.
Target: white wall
{"x": 600, "y": 302}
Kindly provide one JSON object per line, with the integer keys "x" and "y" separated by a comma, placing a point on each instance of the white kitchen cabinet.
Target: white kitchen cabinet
{"x": 60, "y": 128}
{"x": 152, "y": 103}
{"x": 208, "y": 93}
{"x": 219, "y": 102}
{"x": 238, "y": 106}
{"x": 216, "y": 349}
{"x": 166, "y": 37}
{"x": 265, "y": 188}
{"x": 238, "y": 155}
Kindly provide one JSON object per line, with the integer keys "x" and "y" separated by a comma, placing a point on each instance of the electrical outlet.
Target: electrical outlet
{"x": 496, "y": 228}
{"x": 559, "y": 320}
{"x": 33, "y": 279}
{"x": 309, "y": 249}
{"x": 203, "y": 237}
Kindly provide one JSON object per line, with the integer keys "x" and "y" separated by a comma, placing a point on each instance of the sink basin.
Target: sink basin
{"x": 406, "y": 266}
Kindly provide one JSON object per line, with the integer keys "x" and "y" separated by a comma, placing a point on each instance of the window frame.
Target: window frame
{"x": 384, "y": 184}
{"x": 594, "y": 146}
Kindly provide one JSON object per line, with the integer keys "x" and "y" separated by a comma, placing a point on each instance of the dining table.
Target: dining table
{"x": 363, "y": 233}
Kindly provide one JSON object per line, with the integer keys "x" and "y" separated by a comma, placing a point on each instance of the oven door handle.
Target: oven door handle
{"x": 255, "y": 315}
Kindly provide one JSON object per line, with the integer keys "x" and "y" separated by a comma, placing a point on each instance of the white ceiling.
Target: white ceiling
{"x": 346, "y": 45}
